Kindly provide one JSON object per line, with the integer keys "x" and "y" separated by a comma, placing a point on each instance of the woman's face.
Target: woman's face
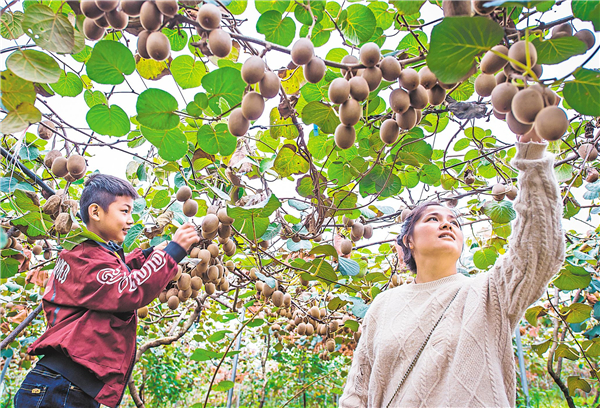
{"x": 437, "y": 233}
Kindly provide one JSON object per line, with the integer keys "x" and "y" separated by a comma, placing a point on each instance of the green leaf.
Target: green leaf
{"x": 288, "y": 162}
{"x": 348, "y": 267}
{"x": 216, "y": 141}
{"x": 577, "y": 312}
{"x": 151, "y": 69}
{"x": 10, "y": 25}
{"x": 261, "y": 210}
{"x": 340, "y": 173}
{"x": 383, "y": 16}
{"x": 430, "y": 174}
{"x": 68, "y": 85}
{"x": 93, "y": 98}
{"x": 178, "y": 38}
{"x": 421, "y": 151}
{"x": 15, "y": 90}
{"x": 484, "y": 258}
{"x": 133, "y": 233}
{"x": 110, "y": 62}
{"x": 501, "y": 212}
{"x": 172, "y": 144}
{"x": 223, "y": 386}
{"x": 571, "y": 279}
{"x": 407, "y": 7}
{"x": 187, "y": 72}
{"x": 583, "y": 93}
{"x": 359, "y": 23}
{"x": 533, "y": 313}
{"x": 263, "y": 6}
{"x": 156, "y": 109}
{"x": 281, "y": 127}
{"x": 9, "y": 267}
{"x": 321, "y": 269}
{"x": 587, "y": 11}
{"x": 556, "y": 50}
{"x": 204, "y": 355}
{"x": 322, "y": 115}
{"x": 37, "y": 224}
{"x": 276, "y": 29}
{"x": 50, "y": 31}
{"x": 19, "y": 119}
{"x": 109, "y": 121}
{"x": 574, "y": 382}
{"x": 563, "y": 350}
{"x": 411, "y": 45}
{"x": 324, "y": 250}
{"x": 252, "y": 228}
{"x": 460, "y": 39}
{"x": 161, "y": 199}
{"x": 10, "y": 184}
{"x": 226, "y": 83}
{"x": 34, "y": 66}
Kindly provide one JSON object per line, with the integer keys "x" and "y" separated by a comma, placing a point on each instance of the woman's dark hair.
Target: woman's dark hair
{"x": 408, "y": 227}
{"x": 103, "y": 190}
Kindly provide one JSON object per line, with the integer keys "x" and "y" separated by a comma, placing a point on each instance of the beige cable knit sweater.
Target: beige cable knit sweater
{"x": 469, "y": 359}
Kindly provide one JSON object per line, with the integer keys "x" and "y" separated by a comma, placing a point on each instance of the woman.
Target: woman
{"x": 468, "y": 360}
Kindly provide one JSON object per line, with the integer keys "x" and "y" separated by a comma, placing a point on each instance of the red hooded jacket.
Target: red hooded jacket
{"x": 90, "y": 304}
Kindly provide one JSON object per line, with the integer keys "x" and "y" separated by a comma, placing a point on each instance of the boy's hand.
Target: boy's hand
{"x": 186, "y": 235}
{"x": 161, "y": 246}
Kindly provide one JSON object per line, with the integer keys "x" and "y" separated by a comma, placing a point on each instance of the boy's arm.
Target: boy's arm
{"x": 136, "y": 258}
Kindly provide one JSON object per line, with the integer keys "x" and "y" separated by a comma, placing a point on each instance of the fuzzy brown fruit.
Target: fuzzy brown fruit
{"x": 339, "y": 90}
{"x": 516, "y": 126}
{"x": 399, "y": 100}
{"x": 107, "y": 5}
{"x": 183, "y": 194}
{"x": 91, "y": 31}
{"x": 277, "y": 298}
{"x": 453, "y": 8}
{"x": 373, "y": 77}
{"x": 219, "y": 42}
{"x": 269, "y": 85}
{"x": 409, "y": 79}
{"x": 369, "y": 54}
{"x": 350, "y": 112}
{"x": 551, "y": 123}
{"x": 173, "y": 302}
{"x": 346, "y": 247}
{"x": 314, "y": 71}
{"x": 389, "y": 131}
{"x": 592, "y": 175}
{"x": 358, "y": 230}
{"x": 150, "y": 16}
{"x": 359, "y": 88}
{"x": 210, "y": 223}
{"x": 63, "y": 223}
{"x": 253, "y": 69}
{"x": 480, "y": 8}
{"x": 223, "y": 217}
{"x": 142, "y": 312}
{"x": 238, "y": 125}
{"x": 302, "y": 52}
{"x": 492, "y": 63}
{"x": 190, "y": 208}
{"x": 348, "y": 222}
{"x": 167, "y": 7}
{"x": 587, "y": 37}
{"x": 141, "y": 44}
{"x": 158, "y": 46}
{"x": 253, "y": 105}
{"x": 390, "y": 68}
{"x": 418, "y": 97}
{"x": 102, "y": 21}
{"x": 46, "y": 129}
{"x": 436, "y": 95}
{"x": 117, "y": 19}
{"x": 485, "y": 84}
{"x": 427, "y": 78}
{"x": 131, "y": 7}
{"x": 59, "y": 167}
{"x": 562, "y": 30}
{"x": 209, "y": 16}
{"x": 349, "y": 60}
{"x": 502, "y": 96}
{"x": 76, "y": 164}
{"x": 368, "y": 233}
{"x": 526, "y": 105}
{"x": 511, "y": 192}
{"x": 408, "y": 119}
{"x": 345, "y": 136}
{"x": 37, "y": 249}
{"x": 588, "y": 152}
{"x": 499, "y": 191}
{"x": 518, "y": 52}
{"x": 90, "y": 9}
{"x": 184, "y": 282}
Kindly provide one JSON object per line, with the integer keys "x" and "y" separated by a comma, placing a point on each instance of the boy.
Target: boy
{"x": 90, "y": 304}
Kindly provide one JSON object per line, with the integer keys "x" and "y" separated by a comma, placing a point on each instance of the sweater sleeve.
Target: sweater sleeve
{"x": 536, "y": 245}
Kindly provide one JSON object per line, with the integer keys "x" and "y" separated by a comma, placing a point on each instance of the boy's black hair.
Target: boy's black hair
{"x": 103, "y": 190}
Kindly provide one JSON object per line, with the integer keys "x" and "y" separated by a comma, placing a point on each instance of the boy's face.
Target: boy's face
{"x": 113, "y": 224}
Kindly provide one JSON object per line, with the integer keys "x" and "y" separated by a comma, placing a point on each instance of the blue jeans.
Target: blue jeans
{"x": 44, "y": 388}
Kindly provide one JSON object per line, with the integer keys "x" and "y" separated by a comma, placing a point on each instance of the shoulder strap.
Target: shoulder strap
{"x": 416, "y": 357}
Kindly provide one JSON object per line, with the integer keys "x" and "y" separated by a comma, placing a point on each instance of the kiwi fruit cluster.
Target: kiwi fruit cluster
{"x": 566, "y": 30}
{"x": 190, "y": 206}
{"x": 182, "y": 287}
{"x": 357, "y": 230}
{"x": 71, "y": 169}
{"x": 303, "y": 53}
{"x": 102, "y": 14}
{"x": 396, "y": 280}
{"x": 452, "y": 8}
{"x": 500, "y": 191}
{"x": 59, "y": 208}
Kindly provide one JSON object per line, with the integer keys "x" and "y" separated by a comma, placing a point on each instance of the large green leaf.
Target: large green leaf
{"x": 68, "y": 85}
{"x": 275, "y": 28}
{"x": 577, "y": 312}
{"x": 430, "y": 174}
{"x": 171, "y": 143}
{"x": 588, "y": 11}
{"x": 187, "y": 72}
{"x": 484, "y": 258}
{"x": 456, "y": 41}
{"x": 407, "y": 7}
{"x": 340, "y": 173}
{"x": 252, "y": 228}
{"x": 226, "y": 83}
{"x": 572, "y": 278}
{"x": 556, "y": 50}
{"x": 261, "y": 210}
{"x": 93, "y": 98}
{"x": 583, "y": 93}
{"x": 574, "y": 382}
{"x": 216, "y": 141}
{"x": 15, "y": 90}
{"x": 177, "y": 38}
{"x": 281, "y": 127}
{"x": 19, "y": 119}
{"x": 411, "y": 45}
{"x": 156, "y": 109}
{"x": 50, "y": 31}
{"x": 321, "y": 115}
{"x": 264, "y": 6}
{"x": 501, "y": 212}
{"x": 110, "y": 62}
{"x": 348, "y": 267}
{"x": 38, "y": 224}
{"x": 11, "y": 25}
{"x": 108, "y": 120}
{"x": 34, "y": 66}
{"x": 358, "y": 23}
{"x": 288, "y": 162}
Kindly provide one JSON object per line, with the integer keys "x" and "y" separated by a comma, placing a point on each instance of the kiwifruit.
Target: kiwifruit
{"x": 587, "y": 151}
{"x": 63, "y": 223}
{"x": 409, "y": 79}
{"x": 37, "y": 249}
{"x": 210, "y": 223}
{"x": 369, "y": 54}
{"x": 238, "y": 125}
{"x": 190, "y": 208}
{"x": 301, "y": 329}
{"x": 499, "y": 115}
{"x": 224, "y": 231}
{"x": 502, "y": 96}
{"x": 47, "y": 254}
{"x": 107, "y": 5}
{"x": 592, "y": 175}
{"x": 173, "y": 302}
{"x": 390, "y": 68}
{"x": 481, "y": 9}
{"x": 499, "y": 191}
{"x": 224, "y": 285}
{"x": 69, "y": 178}
{"x": 537, "y": 70}
{"x": 389, "y": 131}
{"x": 516, "y": 126}
{"x": 562, "y": 30}
{"x": 131, "y": 7}
{"x": 117, "y": 19}
{"x": 485, "y": 84}
{"x": 287, "y": 300}
{"x": 518, "y": 51}
{"x": 349, "y": 60}
{"x": 587, "y": 37}
{"x": 348, "y": 222}
{"x": 219, "y": 42}
{"x": 253, "y": 105}
{"x": 358, "y": 229}
{"x": 302, "y": 51}
{"x": 230, "y": 265}
{"x": 167, "y": 7}
{"x": 511, "y": 192}
{"x": 268, "y": 290}
{"x": 345, "y": 136}
{"x": 102, "y": 22}
{"x": 501, "y": 78}
{"x": 330, "y": 344}
{"x": 350, "y": 112}
{"x": 418, "y": 97}
{"x": 46, "y": 129}
{"x": 277, "y": 298}
{"x": 212, "y": 273}
{"x": 90, "y": 9}
{"x": 214, "y": 252}
{"x": 172, "y": 292}
{"x": 209, "y": 16}
{"x": 269, "y": 85}
{"x": 436, "y": 95}
{"x": 492, "y": 63}
{"x": 315, "y": 312}
{"x": 158, "y": 46}
{"x": 194, "y": 252}
{"x": 142, "y": 312}
{"x": 210, "y": 288}
{"x": 339, "y": 90}
{"x": 373, "y": 77}
{"x": 91, "y": 30}
{"x": 150, "y": 17}
{"x": 223, "y": 217}
{"x": 346, "y": 246}
{"x": 446, "y": 86}
{"x": 196, "y": 283}
{"x": 314, "y": 70}
{"x": 526, "y": 104}
{"x": 469, "y": 177}
{"x": 141, "y": 44}
{"x": 184, "y": 193}
{"x": 184, "y": 282}
{"x": 427, "y": 78}
{"x": 204, "y": 256}
{"x": 253, "y": 69}
{"x": 399, "y": 100}
{"x": 59, "y": 167}
{"x": 52, "y": 205}
{"x": 408, "y": 119}
{"x": 551, "y": 123}
{"x": 75, "y": 164}
{"x": 452, "y": 8}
